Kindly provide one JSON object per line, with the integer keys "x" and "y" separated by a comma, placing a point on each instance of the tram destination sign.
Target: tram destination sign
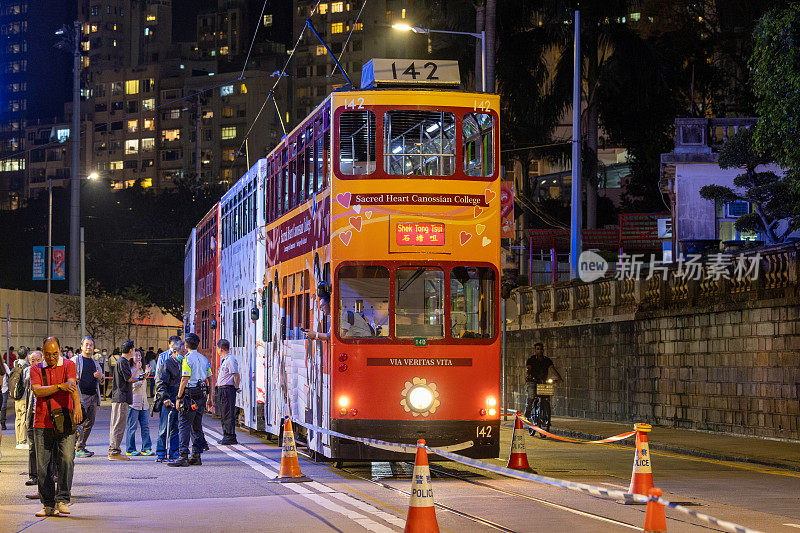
{"x": 420, "y": 234}
{"x": 409, "y": 72}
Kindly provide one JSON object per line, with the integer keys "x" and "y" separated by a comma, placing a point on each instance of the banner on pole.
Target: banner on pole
{"x": 39, "y": 262}
{"x": 59, "y": 263}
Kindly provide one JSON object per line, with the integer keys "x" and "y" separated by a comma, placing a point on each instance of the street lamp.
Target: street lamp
{"x": 481, "y": 36}
{"x": 93, "y": 176}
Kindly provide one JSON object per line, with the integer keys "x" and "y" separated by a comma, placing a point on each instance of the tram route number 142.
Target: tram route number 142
{"x": 411, "y": 70}
{"x": 484, "y": 432}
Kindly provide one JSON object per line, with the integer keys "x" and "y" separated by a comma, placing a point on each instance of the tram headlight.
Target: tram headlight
{"x": 491, "y": 402}
{"x": 343, "y": 401}
{"x": 420, "y": 398}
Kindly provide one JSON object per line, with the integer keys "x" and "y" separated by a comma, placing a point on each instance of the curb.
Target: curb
{"x": 689, "y": 451}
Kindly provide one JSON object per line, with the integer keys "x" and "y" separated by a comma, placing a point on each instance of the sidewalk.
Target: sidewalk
{"x": 754, "y": 450}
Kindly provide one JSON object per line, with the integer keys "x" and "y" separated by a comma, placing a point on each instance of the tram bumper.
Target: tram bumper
{"x": 484, "y": 436}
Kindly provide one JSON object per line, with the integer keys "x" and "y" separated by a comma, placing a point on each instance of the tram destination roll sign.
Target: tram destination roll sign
{"x": 408, "y": 72}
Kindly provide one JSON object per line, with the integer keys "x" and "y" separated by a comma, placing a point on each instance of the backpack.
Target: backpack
{"x": 16, "y": 383}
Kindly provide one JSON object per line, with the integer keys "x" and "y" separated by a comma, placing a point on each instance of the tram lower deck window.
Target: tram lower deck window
{"x": 363, "y": 301}
{"x": 419, "y": 302}
{"x": 472, "y": 303}
{"x": 419, "y": 143}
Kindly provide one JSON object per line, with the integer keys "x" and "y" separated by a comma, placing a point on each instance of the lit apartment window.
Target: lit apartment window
{"x": 151, "y": 18}
{"x": 132, "y": 87}
{"x": 148, "y": 144}
{"x": 114, "y": 42}
{"x": 93, "y": 28}
{"x": 228, "y": 155}
{"x": 226, "y": 90}
{"x": 223, "y": 50}
{"x": 62, "y": 134}
{"x": 146, "y": 32}
{"x": 337, "y": 7}
{"x": 229, "y": 132}
{"x": 337, "y": 27}
{"x": 227, "y": 112}
{"x": 322, "y": 9}
{"x": 116, "y": 88}
{"x": 243, "y": 89}
{"x": 403, "y": 14}
{"x": 115, "y": 165}
{"x": 358, "y": 26}
{"x": 148, "y": 124}
{"x": 150, "y": 103}
{"x": 321, "y": 51}
{"x": 146, "y": 183}
{"x": 171, "y": 135}
{"x": 131, "y": 146}
{"x": 267, "y": 21}
{"x": 133, "y": 126}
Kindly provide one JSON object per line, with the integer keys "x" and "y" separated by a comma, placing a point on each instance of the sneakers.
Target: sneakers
{"x": 133, "y": 453}
{"x": 31, "y": 482}
{"x": 47, "y": 511}
{"x": 147, "y": 453}
{"x": 83, "y": 453}
{"x": 117, "y": 457}
{"x": 194, "y": 460}
{"x": 62, "y": 508}
{"x": 182, "y": 461}
{"x": 227, "y": 441}
{"x": 22, "y": 445}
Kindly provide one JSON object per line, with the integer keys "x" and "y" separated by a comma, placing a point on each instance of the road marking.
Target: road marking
{"x": 303, "y": 490}
{"x": 793, "y": 525}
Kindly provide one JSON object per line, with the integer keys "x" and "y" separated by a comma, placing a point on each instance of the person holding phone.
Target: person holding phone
{"x": 138, "y": 413}
{"x": 121, "y": 398}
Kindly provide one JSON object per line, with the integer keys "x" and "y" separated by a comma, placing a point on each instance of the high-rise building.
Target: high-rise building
{"x": 34, "y": 81}
{"x": 361, "y": 38}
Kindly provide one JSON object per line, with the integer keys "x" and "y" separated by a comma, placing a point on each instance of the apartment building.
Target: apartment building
{"x": 34, "y": 81}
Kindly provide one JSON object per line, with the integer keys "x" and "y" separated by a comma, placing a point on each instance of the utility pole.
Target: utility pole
{"x": 576, "y": 239}
{"x": 49, "y": 246}
{"x": 197, "y": 163}
{"x": 75, "y": 182}
{"x": 83, "y": 290}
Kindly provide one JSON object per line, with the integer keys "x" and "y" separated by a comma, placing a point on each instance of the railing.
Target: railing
{"x": 705, "y": 134}
{"x": 778, "y": 276}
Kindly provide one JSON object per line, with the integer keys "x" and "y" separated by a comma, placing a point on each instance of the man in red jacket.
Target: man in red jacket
{"x": 60, "y": 391}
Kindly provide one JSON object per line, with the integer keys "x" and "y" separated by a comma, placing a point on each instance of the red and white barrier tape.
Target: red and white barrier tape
{"x": 580, "y": 487}
{"x": 614, "y": 438}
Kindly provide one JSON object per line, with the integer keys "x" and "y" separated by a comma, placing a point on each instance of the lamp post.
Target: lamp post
{"x": 92, "y": 176}
{"x": 481, "y": 36}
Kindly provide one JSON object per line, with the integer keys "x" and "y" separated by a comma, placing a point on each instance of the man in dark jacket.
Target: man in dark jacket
{"x": 167, "y": 382}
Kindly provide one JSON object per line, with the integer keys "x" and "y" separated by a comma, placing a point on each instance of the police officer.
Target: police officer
{"x": 192, "y": 398}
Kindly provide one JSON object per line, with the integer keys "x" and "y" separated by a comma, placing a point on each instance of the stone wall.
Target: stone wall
{"x": 700, "y": 357}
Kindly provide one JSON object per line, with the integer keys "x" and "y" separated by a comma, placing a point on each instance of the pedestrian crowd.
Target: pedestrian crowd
{"x": 57, "y": 394}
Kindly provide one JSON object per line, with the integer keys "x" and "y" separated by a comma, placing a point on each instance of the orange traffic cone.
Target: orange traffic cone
{"x": 642, "y": 477}
{"x": 518, "y": 460}
{"x": 290, "y": 466}
{"x": 421, "y": 512}
{"x": 654, "y": 520}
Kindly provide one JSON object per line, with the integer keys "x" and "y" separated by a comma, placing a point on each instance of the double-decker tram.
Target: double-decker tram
{"x": 388, "y": 199}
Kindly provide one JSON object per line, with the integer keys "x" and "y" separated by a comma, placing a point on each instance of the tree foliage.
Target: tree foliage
{"x": 776, "y": 82}
{"x": 771, "y": 197}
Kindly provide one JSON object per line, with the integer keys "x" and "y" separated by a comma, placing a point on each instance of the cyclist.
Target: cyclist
{"x": 537, "y": 368}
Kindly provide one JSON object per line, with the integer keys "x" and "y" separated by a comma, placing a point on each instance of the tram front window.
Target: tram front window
{"x": 478, "y": 137}
{"x": 419, "y": 302}
{"x": 363, "y": 301}
{"x": 419, "y": 143}
{"x": 357, "y": 142}
{"x": 472, "y": 303}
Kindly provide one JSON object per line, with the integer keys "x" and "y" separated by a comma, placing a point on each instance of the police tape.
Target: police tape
{"x": 572, "y": 485}
{"x": 614, "y": 438}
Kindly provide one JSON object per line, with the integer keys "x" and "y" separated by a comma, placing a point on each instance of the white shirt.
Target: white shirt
{"x": 227, "y": 369}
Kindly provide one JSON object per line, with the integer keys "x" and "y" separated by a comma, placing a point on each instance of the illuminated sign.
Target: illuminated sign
{"x": 420, "y": 234}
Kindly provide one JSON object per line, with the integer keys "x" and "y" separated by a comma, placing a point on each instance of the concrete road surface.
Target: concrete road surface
{"x": 233, "y": 491}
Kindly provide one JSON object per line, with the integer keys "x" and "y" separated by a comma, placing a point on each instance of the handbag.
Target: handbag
{"x": 61, "y": 418}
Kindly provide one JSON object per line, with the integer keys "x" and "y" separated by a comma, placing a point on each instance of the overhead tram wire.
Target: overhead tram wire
{"x": 352, "y": 29}
{"x": 271, "y": 93}
{"x": 258, "y": 25}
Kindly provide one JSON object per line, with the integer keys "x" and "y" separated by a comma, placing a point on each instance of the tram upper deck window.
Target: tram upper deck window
{"x": 419, "y": 143}
{"x": 472, "y": 302}
{"x": 363, "y": 301}
{"x": 357, "y": 142}
{"x": 478, "y": 130}
{"x": 419, "y": 302}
